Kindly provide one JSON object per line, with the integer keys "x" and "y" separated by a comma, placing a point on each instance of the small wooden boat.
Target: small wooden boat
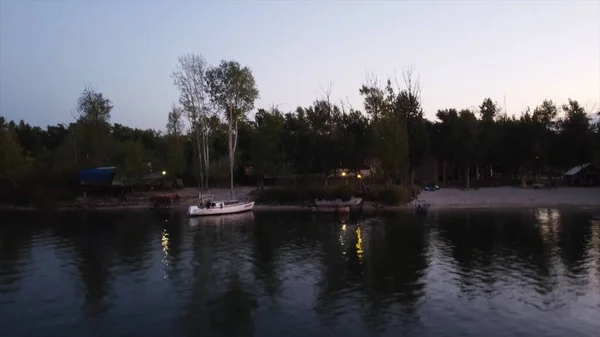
{"x": 331, "y": 209}
{"x": 338, "y": 202}
{"x": 210, "y": 207}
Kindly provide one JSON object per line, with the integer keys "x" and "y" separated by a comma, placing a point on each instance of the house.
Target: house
{"x": 582, "y": 175}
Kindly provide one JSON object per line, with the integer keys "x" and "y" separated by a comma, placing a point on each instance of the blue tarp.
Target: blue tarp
{"x": 101, "y": 175}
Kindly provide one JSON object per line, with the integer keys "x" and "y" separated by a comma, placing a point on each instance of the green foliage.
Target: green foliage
{"x": 232, "y": 87}
{"x": 391, "y": 196}
{"x": 266, "y": 151}
{"x": 134, "y": 160}
{"x": 13, "y": 164}
{"x": 92, "y": 107}
{"x": 219, "y": 169}
{"x": 390, "y": 137}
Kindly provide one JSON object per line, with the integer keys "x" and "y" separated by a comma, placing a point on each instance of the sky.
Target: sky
{"x": 516, "y": 52}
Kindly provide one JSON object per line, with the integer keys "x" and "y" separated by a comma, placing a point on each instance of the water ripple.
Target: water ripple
{"x": 468, "y": 274}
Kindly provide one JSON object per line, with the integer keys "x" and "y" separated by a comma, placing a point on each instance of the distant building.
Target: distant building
{"x": 364, "y": 171}
{"x": 583, "y": 175}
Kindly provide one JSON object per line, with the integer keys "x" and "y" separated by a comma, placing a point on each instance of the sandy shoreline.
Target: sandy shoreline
{"x": 443, "y": 199}
{"x": 513, "y": 197}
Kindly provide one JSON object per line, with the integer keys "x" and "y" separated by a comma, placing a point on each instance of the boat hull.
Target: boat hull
{"x": 229, "y": 209}
{"x": 331, "y": 209}
{"x": 338, "y": 203}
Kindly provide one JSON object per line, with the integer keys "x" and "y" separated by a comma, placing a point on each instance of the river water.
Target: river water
{"x": 519, "y": 273}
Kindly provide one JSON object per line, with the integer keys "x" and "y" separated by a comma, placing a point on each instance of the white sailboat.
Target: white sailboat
{"x": 208, "y": 206}
{"x": 236, "y": 219}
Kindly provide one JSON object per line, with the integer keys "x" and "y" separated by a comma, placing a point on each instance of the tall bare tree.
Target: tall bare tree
{"x": 190, "y": 79}
{"x": 233, "y": 89}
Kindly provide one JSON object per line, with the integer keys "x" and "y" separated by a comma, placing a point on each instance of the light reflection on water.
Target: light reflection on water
{"x": 525, "y": 273}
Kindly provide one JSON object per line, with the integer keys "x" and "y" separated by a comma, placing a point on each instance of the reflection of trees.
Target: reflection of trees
{"x": 267, "y": 239}
{"x": 219, "y": 303}
{"x": 93, "y": 240}
{"x": 473, "y": 243}
{"x": 486, "y": 245}
{"x": 340, "y": 269}
{"x": 396, "y": 267}
{"x": 231, "y": 312}
{"x": 384, "y": 261}
{"x": 15, "y": 242}
{"x": 133, "y": 236}
{"x": 574, "y": 238}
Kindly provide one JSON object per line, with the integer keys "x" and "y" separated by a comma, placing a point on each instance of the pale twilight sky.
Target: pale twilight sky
{"x": 463, "y": 51}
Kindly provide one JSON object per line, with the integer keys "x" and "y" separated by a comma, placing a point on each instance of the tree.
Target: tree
{"x": 373, "y": 96}
{"x": 233, "y": 89}
{"x": 175, "y": 130}
{"x": 13, "y": 164}
{"x": 446, "y": 138}
{"x": 175, "y": 126}
{"x": 92, "y": 113}
{"x": 467, "y": 155}
{"x": 544, "y": 119}
{"x": 390, "y": 145}
{"x": 266, "y": 148}
{"x": 488, "y": 112}
{"x": 190, "y": 78}
{"x": 408, "y": 107}
{"x": 93, "y": 107}
{"x": 134, "y": 159}
{"x": 576, "y": 135}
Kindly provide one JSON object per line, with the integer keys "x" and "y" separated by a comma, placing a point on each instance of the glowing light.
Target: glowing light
{"x": 344, "y": 227}
{"x": 343, "y": 174}
{"x": 164, "y": 173}
{"x": 359, "y": 176}
{"x": 165, "y": 242}
{"x": 359, "y": 247}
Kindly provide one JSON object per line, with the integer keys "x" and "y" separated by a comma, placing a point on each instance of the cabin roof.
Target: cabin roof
{"x": 575, "y": 170}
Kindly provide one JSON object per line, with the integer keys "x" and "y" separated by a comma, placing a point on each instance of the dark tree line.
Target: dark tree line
{"x": 211, "y": 132}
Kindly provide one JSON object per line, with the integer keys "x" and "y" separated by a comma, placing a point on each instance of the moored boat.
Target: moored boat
{"x": 331, "y": 209}
{"x": 338, "y": 202}
{"x": 210, "y": 207}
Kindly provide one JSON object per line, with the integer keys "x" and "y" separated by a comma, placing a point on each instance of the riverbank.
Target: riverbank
{"x": 512, "y": 197}
{"x": 446, "y": 198}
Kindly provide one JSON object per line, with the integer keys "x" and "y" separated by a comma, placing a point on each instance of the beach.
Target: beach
{"x": 512, "y": 197}
{"x": 492, "y": 197}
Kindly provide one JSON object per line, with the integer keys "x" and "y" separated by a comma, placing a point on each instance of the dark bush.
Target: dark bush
{"x": 394, "y": 196}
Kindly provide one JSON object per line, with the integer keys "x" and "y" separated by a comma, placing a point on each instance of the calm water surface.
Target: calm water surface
{"x": 522, "y": 273}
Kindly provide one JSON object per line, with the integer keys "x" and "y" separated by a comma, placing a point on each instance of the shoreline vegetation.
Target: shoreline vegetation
{"x": 382, "y": 151}
{"x": 496, "y": 198}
